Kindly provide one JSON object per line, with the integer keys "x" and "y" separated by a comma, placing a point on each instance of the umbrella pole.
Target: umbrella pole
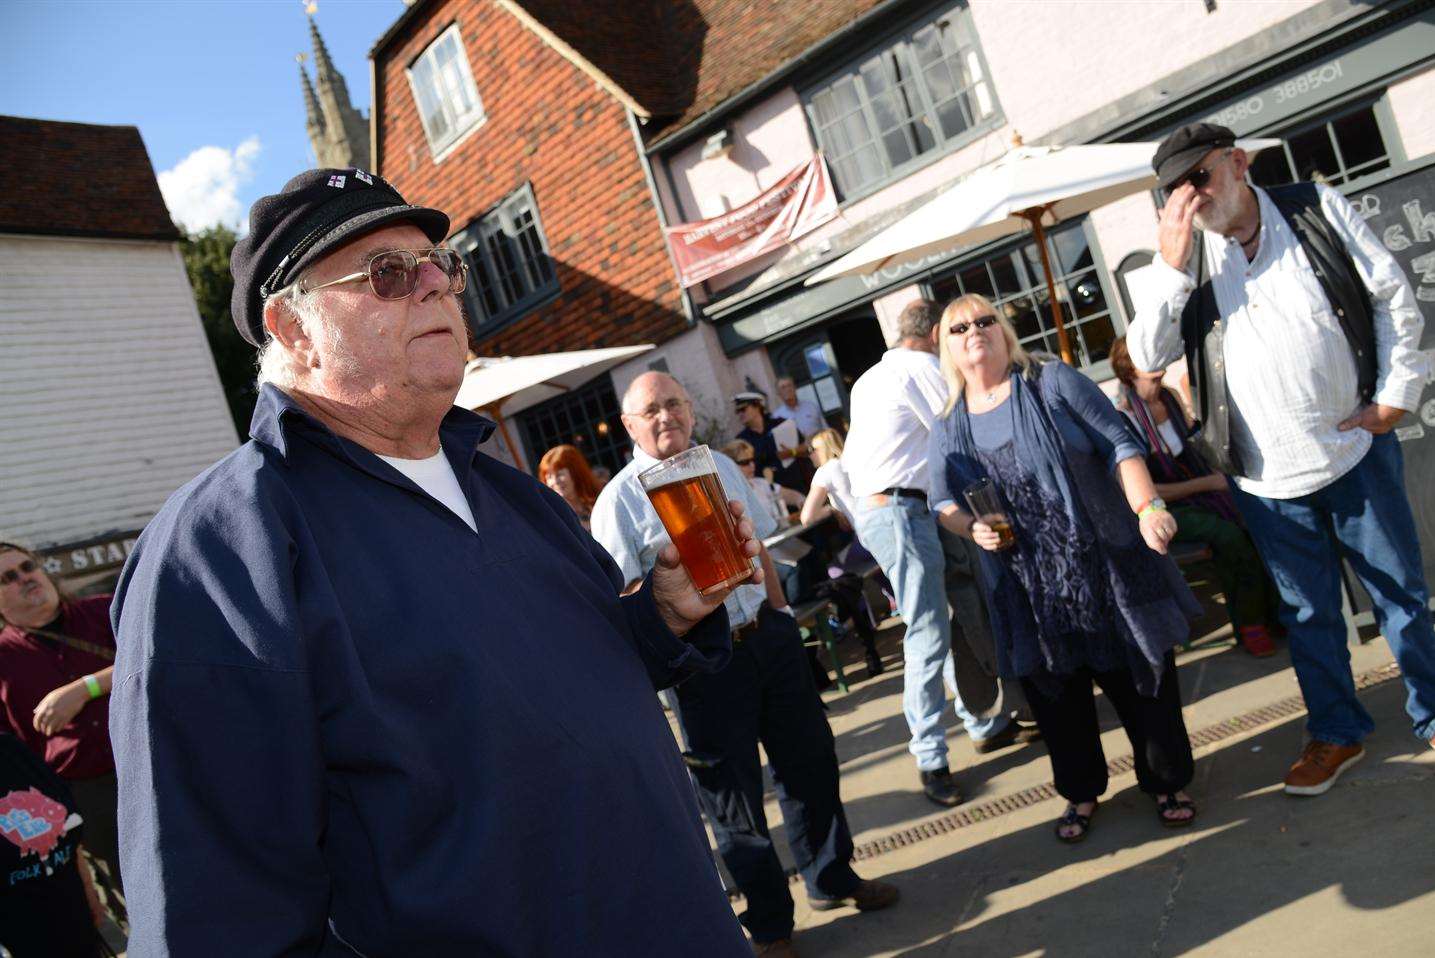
{"x": 1034, "y": 218}
{"x": 495, "y": 412}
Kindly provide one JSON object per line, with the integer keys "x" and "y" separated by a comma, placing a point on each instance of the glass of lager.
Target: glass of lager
{"x": 686, "y": 492}
{"x": 986, "y": 505}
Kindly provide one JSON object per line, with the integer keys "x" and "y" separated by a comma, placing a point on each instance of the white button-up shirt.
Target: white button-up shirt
{"x": 807, "y": 416}
{"x": 1291, "y": 377}
{"x": 894, "y": 405}
{"x": 626, "y": 524}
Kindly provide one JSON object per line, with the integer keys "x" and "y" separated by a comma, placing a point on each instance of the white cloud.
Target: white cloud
{"x": 203, "y": 188}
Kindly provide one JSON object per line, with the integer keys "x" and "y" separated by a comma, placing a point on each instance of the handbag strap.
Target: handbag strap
{"x": 81, "y": 645}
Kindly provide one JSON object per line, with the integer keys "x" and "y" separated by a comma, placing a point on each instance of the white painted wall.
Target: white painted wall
{"x": 1412, "y": 100}
{"x": 110, "y": 393}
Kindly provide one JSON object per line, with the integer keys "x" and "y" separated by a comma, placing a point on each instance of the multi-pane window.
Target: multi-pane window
{"x": 923, "y": 92}
{"x": 588, "y": 417}
{"x": 1014, "y": 282}
{"x": 509, "y": 269}
{"x": 1334, "y": 150}
{"x": 443, "y": 87}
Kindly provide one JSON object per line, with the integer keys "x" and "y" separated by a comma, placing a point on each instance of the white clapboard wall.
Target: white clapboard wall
{"x": 109, "y": 399}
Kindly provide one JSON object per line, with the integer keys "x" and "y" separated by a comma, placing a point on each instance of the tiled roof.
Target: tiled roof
{"x": 681, "y": 58}
{"x": 79, "y": 179}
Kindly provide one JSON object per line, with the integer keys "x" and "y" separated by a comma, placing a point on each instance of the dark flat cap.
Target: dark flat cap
{"x": 316, "y": 212}
{"x": 1179, "y": 153}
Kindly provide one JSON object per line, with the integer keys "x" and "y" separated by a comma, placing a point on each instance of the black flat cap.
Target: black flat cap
{"x": 316, "y": 212}
{"x": 1179, "y": 153}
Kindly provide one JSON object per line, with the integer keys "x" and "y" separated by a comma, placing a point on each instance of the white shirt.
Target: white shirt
{"x": 768, "y": 495}
{"x": 1290, "y": 375}
{"x": 435, "y": 476}
{"x": 626, "y": 524}
{"x": 832, "y": 477}
{"x": 807, "y": 416}
{"x": 894, "y": 405}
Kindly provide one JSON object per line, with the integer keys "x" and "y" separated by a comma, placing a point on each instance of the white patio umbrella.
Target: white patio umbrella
{"x": 504, "y": 385}
{"x": 1028, "y": 187}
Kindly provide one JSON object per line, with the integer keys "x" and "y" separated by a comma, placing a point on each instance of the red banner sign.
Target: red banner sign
{"x": 790, "y": 208}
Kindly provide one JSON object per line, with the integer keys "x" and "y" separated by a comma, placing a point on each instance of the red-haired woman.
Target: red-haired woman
{"x": 564, "y": 470}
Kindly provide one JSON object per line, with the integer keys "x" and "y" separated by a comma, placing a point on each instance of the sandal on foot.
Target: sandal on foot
{"x": 1165, "y": 806}
{"x": 1070, "y": 818}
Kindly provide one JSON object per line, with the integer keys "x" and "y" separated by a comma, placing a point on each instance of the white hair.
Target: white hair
{"x": 273, "y": 362}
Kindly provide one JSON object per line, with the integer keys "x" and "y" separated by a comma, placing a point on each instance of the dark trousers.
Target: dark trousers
{"x": 1157, "y": 731}
{"x": 98, "y": 801}
{"x": 1250, "y": 596}
{"x": 767, "y": 694}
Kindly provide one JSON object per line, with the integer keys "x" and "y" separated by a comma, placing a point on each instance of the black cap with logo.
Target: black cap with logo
{"x": 315, "y": 213}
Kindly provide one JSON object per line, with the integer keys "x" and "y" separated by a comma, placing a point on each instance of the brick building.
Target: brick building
{"x": 707, "y": 103}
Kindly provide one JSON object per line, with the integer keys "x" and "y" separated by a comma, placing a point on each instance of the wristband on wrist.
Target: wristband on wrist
{"x": 1154, "y": 504}
{"x": 92, "y": 684}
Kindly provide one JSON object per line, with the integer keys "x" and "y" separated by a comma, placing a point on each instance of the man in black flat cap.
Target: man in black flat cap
{"x": 351, "y": 712}
{"x": 1302, "y": 339}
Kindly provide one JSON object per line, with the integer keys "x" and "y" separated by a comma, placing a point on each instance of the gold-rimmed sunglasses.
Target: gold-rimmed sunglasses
{"x": 394, "y": 274}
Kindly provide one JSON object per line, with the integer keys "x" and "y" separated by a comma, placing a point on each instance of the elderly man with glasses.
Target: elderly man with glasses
{"x": 766, "y": 694}
{"x": 378, "y": 693}
{"x": 1301, "y": 335}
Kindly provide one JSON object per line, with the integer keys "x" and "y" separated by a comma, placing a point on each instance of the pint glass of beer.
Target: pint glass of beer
{"x": 688, "y": 496}
{"x": 987, "y": 506}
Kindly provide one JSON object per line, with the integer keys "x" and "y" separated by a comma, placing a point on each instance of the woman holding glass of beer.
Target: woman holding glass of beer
{"x": 1078, "y": 586}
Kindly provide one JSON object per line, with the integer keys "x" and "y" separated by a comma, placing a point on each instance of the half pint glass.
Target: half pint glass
{"x": 987, "y": 506}
{"x": 689, "y": 498}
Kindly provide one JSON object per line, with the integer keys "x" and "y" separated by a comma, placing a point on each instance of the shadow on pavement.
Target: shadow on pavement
{"x": 1253, "y": 852}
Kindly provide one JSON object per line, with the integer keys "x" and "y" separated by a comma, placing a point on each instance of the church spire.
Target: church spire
{"x": 338, "y": 132}
{"x": 313, "y": 115}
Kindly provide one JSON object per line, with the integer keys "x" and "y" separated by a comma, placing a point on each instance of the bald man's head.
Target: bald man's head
{"x": 658, "y": 415}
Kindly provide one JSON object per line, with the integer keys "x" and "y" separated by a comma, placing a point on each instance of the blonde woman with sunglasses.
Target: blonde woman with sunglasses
{"x": 1078, "y": 586}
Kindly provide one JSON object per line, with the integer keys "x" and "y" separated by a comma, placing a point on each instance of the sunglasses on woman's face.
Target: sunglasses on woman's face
{"x": 13, "y": 575}
{"x": 394, "y": 274}
{"x": 981, "y": 322}
{"x": 744, "y": 462}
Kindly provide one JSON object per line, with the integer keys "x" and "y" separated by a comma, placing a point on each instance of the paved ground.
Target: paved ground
{"x": 1260, "y": 873}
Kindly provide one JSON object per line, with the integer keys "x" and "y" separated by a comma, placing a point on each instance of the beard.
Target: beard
{"x": 1218, "y": 215}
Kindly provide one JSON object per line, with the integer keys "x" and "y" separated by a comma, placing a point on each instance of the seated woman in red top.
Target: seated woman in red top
{"x": 1199, "y": 498}
{"x": 56, "y": 659}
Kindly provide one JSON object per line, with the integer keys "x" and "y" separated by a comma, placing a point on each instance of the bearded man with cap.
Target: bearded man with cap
{"x": 1301, "y": 336}
{"x": 378, "y": 693}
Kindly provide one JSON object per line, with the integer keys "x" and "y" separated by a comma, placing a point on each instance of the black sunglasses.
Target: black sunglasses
{"x": 982, "y": 322}
{"x": 12, "y": 575}
{"x": 395, "y": 274}
{"x": 744, "y": 462}
{"x": 1200, "y": 176}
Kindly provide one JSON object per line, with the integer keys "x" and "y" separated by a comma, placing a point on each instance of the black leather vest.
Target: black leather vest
{"x": 1202, "y": 329}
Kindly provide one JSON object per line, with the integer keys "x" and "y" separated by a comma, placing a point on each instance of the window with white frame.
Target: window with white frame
{"x": 926, "y": 91}
{"x": 444, "y": 91}
{"x": 509, "y": 269}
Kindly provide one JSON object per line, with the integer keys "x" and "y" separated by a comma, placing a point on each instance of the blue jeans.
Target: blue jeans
{"x": 1364, "y": 517}
{"x": 902, "y": 537}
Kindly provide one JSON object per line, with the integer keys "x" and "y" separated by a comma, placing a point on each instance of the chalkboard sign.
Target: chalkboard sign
{"x": 1401, "y": 212}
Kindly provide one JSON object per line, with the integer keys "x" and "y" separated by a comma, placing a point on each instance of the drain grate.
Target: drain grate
{"x": 969, "y": 815}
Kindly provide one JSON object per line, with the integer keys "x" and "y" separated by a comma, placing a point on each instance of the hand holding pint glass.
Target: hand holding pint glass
{"x": 689, "y": 499}
{"x": 992, "y": 529}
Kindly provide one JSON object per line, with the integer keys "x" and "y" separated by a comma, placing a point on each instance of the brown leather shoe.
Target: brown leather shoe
{"x": 867, "y": 896}
{"x": 1320, "y": 765}
{"x": 782, "y": 948}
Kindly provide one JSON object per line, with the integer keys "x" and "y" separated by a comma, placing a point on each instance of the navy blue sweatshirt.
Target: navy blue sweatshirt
{"x": 345, "y": 722}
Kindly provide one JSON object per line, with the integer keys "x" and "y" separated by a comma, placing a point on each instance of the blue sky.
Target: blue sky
{"x": 211, "y": 84}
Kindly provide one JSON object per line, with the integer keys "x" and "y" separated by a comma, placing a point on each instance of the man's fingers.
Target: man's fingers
{"x": 668, "y": 556}
{"x": 1349, "y": 423}
{"x": 736, "y": 507}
